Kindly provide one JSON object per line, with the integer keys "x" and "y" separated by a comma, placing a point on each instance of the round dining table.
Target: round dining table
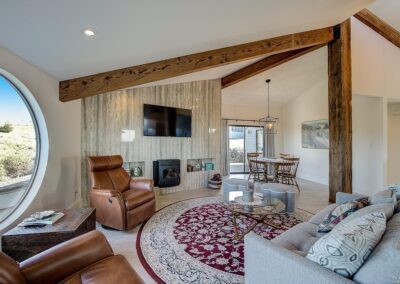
{"x": 272, "y": 162}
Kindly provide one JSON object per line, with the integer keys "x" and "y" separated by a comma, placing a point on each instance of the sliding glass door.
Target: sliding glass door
{"x": 243, "y": 140}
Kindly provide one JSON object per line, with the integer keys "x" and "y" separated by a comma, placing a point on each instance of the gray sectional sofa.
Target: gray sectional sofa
{"x": 282, "y": 260}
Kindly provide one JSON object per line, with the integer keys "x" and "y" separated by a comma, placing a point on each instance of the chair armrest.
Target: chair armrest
{"x": 266, "y": 262}
{"x": 59, "y": 262}
{"x": 147, "y": 184}
{"x": 342, "y": 197}
{"x": 105, "y": 192}
{"x": 110, "y": 207}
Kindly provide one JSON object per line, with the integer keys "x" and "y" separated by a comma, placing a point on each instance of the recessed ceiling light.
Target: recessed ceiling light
{"x": 88, "y": 32}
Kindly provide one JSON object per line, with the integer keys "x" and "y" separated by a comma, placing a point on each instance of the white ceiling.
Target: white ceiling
{"x": 47, "y": 33}
{"x": 287, "y": 81}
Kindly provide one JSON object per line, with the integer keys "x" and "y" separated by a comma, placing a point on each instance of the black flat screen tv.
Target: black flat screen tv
{"x": 166, "y": 121}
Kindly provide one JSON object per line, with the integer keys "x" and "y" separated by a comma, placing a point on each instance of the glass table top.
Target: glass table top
{"x": 261, "y": 205}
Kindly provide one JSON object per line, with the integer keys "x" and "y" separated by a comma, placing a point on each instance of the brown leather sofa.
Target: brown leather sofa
{"x": 84, "y": 259}
{"x": 121, "y": 202}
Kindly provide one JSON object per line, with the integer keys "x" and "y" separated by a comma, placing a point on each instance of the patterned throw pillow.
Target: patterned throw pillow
{"x": 340, "y": 212}
{"x": 395, "y": 188}
{"x": 346, "y": 248}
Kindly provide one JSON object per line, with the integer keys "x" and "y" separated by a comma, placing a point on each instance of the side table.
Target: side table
{"x": 21, "y": 243}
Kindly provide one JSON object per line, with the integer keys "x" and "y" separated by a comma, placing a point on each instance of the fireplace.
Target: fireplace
{"x": 167, "y": 173}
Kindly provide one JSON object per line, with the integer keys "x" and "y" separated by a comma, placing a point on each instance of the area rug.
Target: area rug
{"x": 192, "y": 241}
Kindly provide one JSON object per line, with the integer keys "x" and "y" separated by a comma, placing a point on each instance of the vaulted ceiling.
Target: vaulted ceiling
{"x": 48, "y": 33}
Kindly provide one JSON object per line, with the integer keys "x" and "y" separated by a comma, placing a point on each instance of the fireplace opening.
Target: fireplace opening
{"x": 166, "y": 173}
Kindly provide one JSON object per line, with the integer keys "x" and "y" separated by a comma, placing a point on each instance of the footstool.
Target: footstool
{"x": 233, "y": 184}
{"x": 283, "y": 192}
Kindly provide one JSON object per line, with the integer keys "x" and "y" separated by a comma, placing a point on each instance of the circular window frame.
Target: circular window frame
{"x": 42, "y": 150}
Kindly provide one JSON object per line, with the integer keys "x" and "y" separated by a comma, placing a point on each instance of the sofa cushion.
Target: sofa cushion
{"x": 386, "y": 208}
{"x": 136, "y": 197}
{"x": 385, "y": 196}
{"x": 382, "y": 265}
{"x": 317, "y": 218}
{"x": 339, "y": 213}
{"x": 99, "y": 272}
{"x": 298, "y": 239}
{"x": 346, "y": 248}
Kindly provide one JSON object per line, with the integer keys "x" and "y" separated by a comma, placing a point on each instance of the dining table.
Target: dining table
{"x": 275, "y": 163}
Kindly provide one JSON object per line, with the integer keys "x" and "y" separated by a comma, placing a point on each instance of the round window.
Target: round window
{"x": 20, "y": 147}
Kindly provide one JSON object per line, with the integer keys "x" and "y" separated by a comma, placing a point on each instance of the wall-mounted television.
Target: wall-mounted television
{"x": 166, "y": 121}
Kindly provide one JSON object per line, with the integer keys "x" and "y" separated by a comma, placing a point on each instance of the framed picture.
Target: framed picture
{"x": 315, "y": 134}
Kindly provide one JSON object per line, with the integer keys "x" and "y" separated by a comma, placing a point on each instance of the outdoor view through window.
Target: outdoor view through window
{"x": 18, "y": 145}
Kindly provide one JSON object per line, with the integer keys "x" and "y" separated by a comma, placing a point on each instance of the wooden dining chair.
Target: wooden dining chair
{"x": 289, "y": 171}
{"x": 256, "y": 170}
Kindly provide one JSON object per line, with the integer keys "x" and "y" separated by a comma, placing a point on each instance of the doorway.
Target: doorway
{"x": 243, "y": 140}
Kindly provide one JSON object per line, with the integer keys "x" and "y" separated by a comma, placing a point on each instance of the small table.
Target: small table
{"x": 268, "y": 207}
{"x": 21, "y": 243}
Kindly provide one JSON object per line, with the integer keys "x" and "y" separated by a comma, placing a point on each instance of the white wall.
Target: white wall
{"x": 376, "y": 74}
{"x": 375, "y": 63}
{"x": 393, "y": 138}
{"x": 61, "y": 185}
{"x": 311, "y": 105}
{"x": 368, "y": 144}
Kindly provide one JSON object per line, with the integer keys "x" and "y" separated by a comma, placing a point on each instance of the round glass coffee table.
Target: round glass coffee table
{"x": 258, "y": 210}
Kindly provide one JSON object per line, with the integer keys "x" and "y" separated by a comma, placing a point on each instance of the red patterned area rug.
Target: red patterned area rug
{"x": 192, "y": 241}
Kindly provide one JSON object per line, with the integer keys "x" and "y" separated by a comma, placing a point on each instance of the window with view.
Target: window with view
{"x": 18, "y": 147}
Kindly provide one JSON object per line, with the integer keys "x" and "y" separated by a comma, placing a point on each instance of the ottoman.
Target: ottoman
{"x": 283, "y": 192}
{"x": 233, "y": 184}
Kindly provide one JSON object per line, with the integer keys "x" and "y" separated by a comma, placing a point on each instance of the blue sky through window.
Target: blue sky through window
{"x": 12, "y": 107}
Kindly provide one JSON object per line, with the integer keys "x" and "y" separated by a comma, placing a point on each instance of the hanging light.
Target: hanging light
{"x": 270, "y": 121}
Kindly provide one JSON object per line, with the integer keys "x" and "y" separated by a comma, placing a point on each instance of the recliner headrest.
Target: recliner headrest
{"x": 104, "y": 163}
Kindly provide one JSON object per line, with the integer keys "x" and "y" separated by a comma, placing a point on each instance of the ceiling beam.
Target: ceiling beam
{"x": 379, "y": 25}
{"x": 264, "y": 65}
{"x": 137, "y": 75}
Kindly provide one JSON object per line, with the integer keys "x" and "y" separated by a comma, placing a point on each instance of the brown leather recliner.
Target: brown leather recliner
{"x": 84, "y": 259}
{"x": 121, "y": 202}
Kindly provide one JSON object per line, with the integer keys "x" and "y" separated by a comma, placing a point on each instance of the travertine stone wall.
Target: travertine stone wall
{"x": 105, "y": 116}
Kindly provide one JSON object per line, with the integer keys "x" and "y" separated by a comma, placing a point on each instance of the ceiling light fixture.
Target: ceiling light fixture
{"x": 270, "y": 121}
{"x": 88, "y": 32}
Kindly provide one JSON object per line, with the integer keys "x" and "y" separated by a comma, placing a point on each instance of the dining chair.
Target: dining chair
{"x": 256, "y": 170}
{"x": 289, "y": 171}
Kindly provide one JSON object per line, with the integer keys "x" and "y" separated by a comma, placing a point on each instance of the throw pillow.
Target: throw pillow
{"x": 339, "y": 213}
{"x": 385, "y": 196}
{"x": 396, "y": 189}
{"x": 346, "y": 248}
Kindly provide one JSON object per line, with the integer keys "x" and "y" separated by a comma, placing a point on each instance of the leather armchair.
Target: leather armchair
{"x": 120, "y": 201}
{"x": 84, "y": 259}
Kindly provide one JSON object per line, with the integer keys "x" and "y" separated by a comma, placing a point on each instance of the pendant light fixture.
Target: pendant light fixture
{"x": 270, "y": 121}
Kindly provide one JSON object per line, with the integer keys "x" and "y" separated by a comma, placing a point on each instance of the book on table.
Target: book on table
{"x": 42, "y": 218}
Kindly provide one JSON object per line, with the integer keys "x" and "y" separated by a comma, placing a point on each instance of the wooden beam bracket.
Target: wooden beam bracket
{"x": 379, "y": 25}
{"x": 265, "y": 64}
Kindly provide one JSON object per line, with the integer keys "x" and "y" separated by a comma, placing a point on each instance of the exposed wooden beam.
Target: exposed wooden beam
{"x": 132, "y": 76}
{"x": 340, "y": 112}
{"x": 264, "y": 65}
{"x": 379, "y": 25}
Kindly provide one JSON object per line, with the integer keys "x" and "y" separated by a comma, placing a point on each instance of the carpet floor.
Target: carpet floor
{"x": 192, "y": 241}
